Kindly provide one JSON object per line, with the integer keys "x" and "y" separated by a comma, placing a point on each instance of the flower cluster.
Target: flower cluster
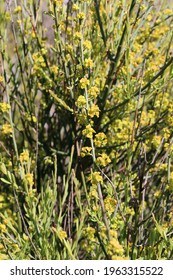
{"x": 6, "y": 129}
{"x": 4, "y": 107}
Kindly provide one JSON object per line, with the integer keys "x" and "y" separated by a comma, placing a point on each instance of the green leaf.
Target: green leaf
{"x": 60, "y": 101}
{"x": 5, "y": 181}
{"x": 3, "y": 168}
{"x": 162, "y": 231}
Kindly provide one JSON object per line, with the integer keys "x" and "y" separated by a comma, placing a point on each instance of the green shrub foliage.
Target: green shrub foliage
{"x": 86, "y": 133}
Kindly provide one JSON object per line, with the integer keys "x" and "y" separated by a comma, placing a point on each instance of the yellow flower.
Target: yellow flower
{"x": 3, "y": 228}
{"x": 87, "y": 44}
{"x": 113, "y": 233}
{"x": 103, "y": 232}
{"x": 19, "y": 21}
{"x": 18, "y": 9}
{"x": 29, "y": 179}
{"x": 167, "y": 11}
{"x": 24, "y": 156}
{"x": 69, "y": 30}
{"x": 156, "y": 141}
{"x": 103, "y": 159}
{"x": 38, "y": 60}
{"x": 157, "y": 193}
{"x": 77, "y": 36}
{"x": 34, "y": 119}
{"x": 4, "y": 107}
{"x": 61, "y": 234}
{"x": 6, "y": 129}
{"x": 2, "y": 198}
{"x": 82, "y": 118}
{"x": 69, "y": 48}
{"x": 58, "y": 2}
{"x": 43, "y": 51}
{"x": 89, "y": 232}
{"x": 68, "y": 57}
{"x": 115, "y": 247}
{"x": 85, "y": 151}
{"x": 100, "y": 139}
{"x": 93, "y": 192}
{"x": 25, "y": 237}
{"x": 75, "y": 7}
{"x": 1, "y": 79}
{"x": 4, "y": 257}
{"x": 98, "y": 81}
{"x": 88, "y": 63}
{"x": 33, "y": 34}
{"x": 93, "y": 92}
{"x": 110, "y": 204}
{"x": 93, "y": 111}
{"x": 88, "y": 131}
{"x": 149, "y": 18}
{"x": 54, "y": 69}
{"x": 81, "y": 101}
{"x": 114, "y": 257}
{"x": 95, "y": 178}
{"x": 30, "y": 118}
{"x": 81, "y": 16}
{"x": 7, "y": 16}
{"x": 84, "y": 82}
{"x": 16, "y": 248}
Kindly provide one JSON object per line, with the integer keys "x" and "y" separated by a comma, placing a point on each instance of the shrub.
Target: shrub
{"x": 86, "y": 130}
